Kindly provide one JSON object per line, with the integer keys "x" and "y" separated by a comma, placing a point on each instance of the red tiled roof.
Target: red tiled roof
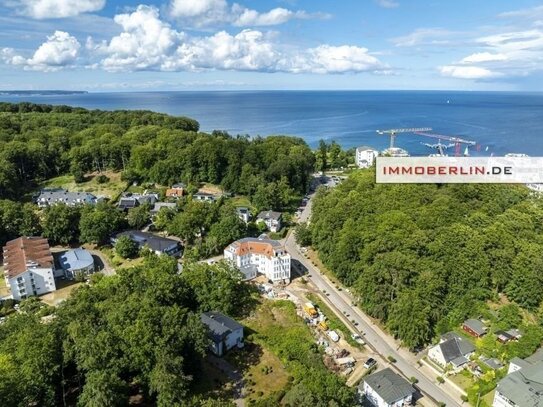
{"x": 20, "y": 252}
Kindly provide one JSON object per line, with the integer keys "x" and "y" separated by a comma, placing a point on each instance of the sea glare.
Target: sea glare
{"x": 500, "y": 122}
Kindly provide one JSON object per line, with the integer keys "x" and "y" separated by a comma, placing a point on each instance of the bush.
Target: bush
{"x": 126, "y": 247}
{"x": 440, "y": 380}
{"x": 391, "y": 359}
{"x": 413, "y": 380}
{"x": 102, "y": 179}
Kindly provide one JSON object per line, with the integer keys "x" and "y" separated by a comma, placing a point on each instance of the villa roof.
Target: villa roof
{"x": 260, "y": 245}
{"x": 25, "y": 252}
{"x": 455, "y": 348}
{"x": 524, "y": 388}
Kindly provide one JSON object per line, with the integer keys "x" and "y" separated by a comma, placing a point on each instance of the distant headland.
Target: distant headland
{"x": 42, "y": 92}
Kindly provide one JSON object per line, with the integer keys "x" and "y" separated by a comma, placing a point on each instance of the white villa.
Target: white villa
{"x": 28, "y": 267}
{"x": 365, "y": 156}
{"x": 260, "y": 255}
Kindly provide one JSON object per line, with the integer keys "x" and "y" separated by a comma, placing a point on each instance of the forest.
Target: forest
{"x": 422, "y": 258}
{"x": 38, "y": 142}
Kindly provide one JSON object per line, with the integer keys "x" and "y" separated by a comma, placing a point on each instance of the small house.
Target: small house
{"x": 244, "y": 214}
{"x": 157, "y": 244}
{"x": 159, "y": 205}
{"x": 271, "y": 219}
{"x": 176, "y": 191}
{"x": 223, "y": 331}
{"x": 452, "y": 350}
{"x": 474, "y": 327}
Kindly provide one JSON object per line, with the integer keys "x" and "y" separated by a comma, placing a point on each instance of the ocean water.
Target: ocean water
{"x": 500, "y": 122}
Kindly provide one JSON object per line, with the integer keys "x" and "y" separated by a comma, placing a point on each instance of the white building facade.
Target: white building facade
{"x": 386, "y": 389}
{"x": 28, "y": 267}
{"x": 365, "y": 156}
{"x": 262, "y": 255}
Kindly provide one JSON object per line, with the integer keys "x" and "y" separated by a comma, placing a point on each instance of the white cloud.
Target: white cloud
{"x": 507, "y": 54}
{"x": 387, "y": 3}
{"x": 59, "y": 51}
{"x": 467, "y": 72}
{"x": 424, "y": 36}
{"x": 480, "y": 57}
{"x": 144, "y": 42}
{"x": 148, "y": 43}
{"x": 203, "y": 13}
{"x": 42, "y": 9}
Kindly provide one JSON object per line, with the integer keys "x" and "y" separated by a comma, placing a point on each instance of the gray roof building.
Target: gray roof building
{"x": 523, "y": 388}
{"x": 158, "y": 244}
{"x": 389, "y": 386}
{"x": 456, "y": 349}
{"x": 265, "y": 215}
{"x": 58, "y": 195}
{"x": 159, "y": 205}
{"x": 77, "y": 259}
{"x": 219, "y": 325}
{"x": 474, "y": 327}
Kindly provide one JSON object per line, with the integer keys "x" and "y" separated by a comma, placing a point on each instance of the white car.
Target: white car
{"x": 333, "y": 335}
{"x": 358, "y": 339}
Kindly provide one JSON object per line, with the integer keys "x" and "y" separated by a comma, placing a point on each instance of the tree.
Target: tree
{"x": 303, "y": 234}
{"x": 61, "y": 224}
{"x": 99, "y": 222}
{"x": 139, "y": 216}
{"x": 126, "y": 247}
{"x": 322, "y": 156}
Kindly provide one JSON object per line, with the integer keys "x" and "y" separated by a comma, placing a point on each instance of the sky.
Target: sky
{"x": 139, "y": 45}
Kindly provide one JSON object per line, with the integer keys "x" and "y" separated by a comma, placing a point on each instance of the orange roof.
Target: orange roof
{"x": 247, "y": 246}
{"x": 174, "y": 192}
{"x": 21, "y": 252}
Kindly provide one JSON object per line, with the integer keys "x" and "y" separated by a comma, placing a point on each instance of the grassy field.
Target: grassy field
{"x": 64, "y": 289}
{"x": 117, "y": 261}
{"x": 110, "y": 189}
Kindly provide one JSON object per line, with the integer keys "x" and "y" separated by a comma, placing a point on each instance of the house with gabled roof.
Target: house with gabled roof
{"x": 474, "y": 327}
{"x": 452, "y": 350}
{"x": 223, "y": 331}
{"x": 386, "y": 389}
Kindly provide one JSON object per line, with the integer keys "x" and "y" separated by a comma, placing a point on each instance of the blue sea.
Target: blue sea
{"x": 499, "y": 122}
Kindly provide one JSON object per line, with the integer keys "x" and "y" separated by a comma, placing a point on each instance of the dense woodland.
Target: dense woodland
{"x": 422, "y": 258}
{"x": 38, "y": 142}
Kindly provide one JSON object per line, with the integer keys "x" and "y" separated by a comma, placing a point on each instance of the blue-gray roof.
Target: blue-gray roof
{"x": 390, "y": 386}
{"x": 219, "y": 325}
{"x": 76, "y": 259}
{"x": 524, "y": 387}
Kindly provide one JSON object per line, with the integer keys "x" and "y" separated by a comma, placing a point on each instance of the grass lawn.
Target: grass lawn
{"x": 110, "y": 189}
{"x": 64, "y": 289}
{"x": 117, "y": 261}
{"x": 333, "y": 321}
{"x": 242, "y": 200}
{"x": 3, "y": 289}
{"x": 462, "y": 380}
{"x": 488, "y": 398}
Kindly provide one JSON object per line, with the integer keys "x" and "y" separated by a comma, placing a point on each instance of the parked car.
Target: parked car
{"x": 370, "y": 363}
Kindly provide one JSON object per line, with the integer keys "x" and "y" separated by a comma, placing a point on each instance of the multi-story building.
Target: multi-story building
{"x": 365, "y": 156}
{"x": 224, "y": 332}
{"x": 260, "y": 255}
{"x": 28, "y": 267}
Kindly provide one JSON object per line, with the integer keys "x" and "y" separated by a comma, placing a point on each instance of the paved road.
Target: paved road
{"x": 379, "y": 341}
